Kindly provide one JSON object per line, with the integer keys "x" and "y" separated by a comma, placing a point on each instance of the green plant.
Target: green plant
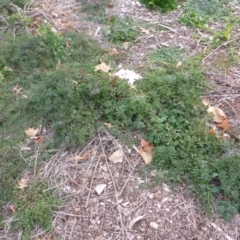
{"x": 164, "y": 5}
{"x": 34, "y": 208}
{"x": 121, "y": 29}
{"x": 199, "y": 13}
{"x": 227, "y": 210}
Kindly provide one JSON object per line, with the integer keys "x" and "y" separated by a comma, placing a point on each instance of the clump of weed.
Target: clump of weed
{"x": 164, "y": 5}
{"x": 121, "y": 30}
{"x": 199, "y": 13}
{"x": 34, "y": 207}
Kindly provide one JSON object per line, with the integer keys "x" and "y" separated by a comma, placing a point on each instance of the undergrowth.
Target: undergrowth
{"x": 65, "y": 95}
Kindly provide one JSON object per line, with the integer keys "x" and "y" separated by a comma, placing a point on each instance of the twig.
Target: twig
{"x": 92, "y": 182}
{"x": 169, "y": 28}
{"x": 115, "y": 190}
{"x": 38, "y": 234}
{"x": 223, "y": 44}
{"x": 35, "y": 163}
{"x": 221, "y": 231}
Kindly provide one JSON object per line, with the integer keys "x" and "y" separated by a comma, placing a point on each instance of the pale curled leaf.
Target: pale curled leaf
{"x": 205, "y": 102}
{"x": 146, "y": 156}
{"x": 116, "y": 157}
{"x": 102, "y": 67}
{"x": 99, "y": 188}
{"x": 218, "y": 114}
{"x": 23, "y": 183}
{"x": 133, "y": 221}
{"x": 32, "y": 132}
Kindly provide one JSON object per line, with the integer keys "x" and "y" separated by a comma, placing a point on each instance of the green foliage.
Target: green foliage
{"x": 121, "y": 30}
{"x": 164, "y": 5}
{"x": 66, "y": 95}
{"x": 199, "y": 13}
{"x": 227, "y": 210}
{"x": 34, "y": 208}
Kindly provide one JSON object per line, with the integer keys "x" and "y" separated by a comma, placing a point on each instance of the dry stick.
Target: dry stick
{"x": 232, "y": 108}
{"x": 92, "y": 182}
{"x": 38, "y": 234}
{"x": 35, "y": 164}
{"x": 114, "y": 186}
{"x": 73, "y": 225}
{"x": 127, "y": 181}
{"x": 164, "y": 26}
{"x": 221, "y": 231}
{"x": 223, "y": 44}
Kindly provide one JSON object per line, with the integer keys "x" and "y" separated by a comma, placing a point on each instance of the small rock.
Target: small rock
{"x": 153, "y": 225}
{"x": 99, "y": 188}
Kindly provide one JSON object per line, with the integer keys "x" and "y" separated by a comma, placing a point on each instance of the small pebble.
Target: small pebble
{"x": 153, "y": 225}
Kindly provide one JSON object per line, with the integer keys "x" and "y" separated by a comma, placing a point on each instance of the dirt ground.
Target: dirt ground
{"x": 125, "y": 209}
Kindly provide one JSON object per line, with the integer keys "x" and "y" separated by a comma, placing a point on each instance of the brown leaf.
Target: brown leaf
{"x": 146, "y": 146}
{"x": 12, "y": 208}
{"x": 218, "y": 114}
{"x": 146, "y": 151}
{"x": 83, "y": 157}
{"x": 23, "y": 183}
{"x": 238, "y": 104}
{"x": 212, "y": 131}
{"x": 102, "y": 67}
{"x": 225, "y": 125}
{"x": 38, "y": 140}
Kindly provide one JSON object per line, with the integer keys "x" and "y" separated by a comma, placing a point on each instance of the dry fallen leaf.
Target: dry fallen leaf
{"x": 102, "y": 67}
{"x": 83, "y": 157}
{"x": 145, "y": 31}
{"x": 38, "y": 140}
{"x": 146, "y": 146}
{"x": 212, "y": 131}
{"x": 179, "y": 64}
{"x": 23, "y": 183}
{"x": 12, "y": 208}
{"x": 225, "y": 125}
{"x": 99, "y": 188}
{"x": 8, "y": 69}
{"x": 205, "y": 102}
{"x": 32, "y": 132}
{"x": 108, "y": 125}
{"x": 218, "y": 114}
{"x": 117, "y": 156}
{"x": 238, "y": 104}
{"x": 146, "y": 151}
{"x": 17, "y": 90}
{"x": 133, "y": 221}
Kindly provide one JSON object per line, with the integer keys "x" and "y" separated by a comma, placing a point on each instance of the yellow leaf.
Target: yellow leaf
{"x": 102, "y": 67}
{"x": 23, "y": 183}
{"x": 32, "y": 132}
{"x": 218, "y": 114}
{"x": 108, "y": 125}
{"x": 179, "y": 64}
